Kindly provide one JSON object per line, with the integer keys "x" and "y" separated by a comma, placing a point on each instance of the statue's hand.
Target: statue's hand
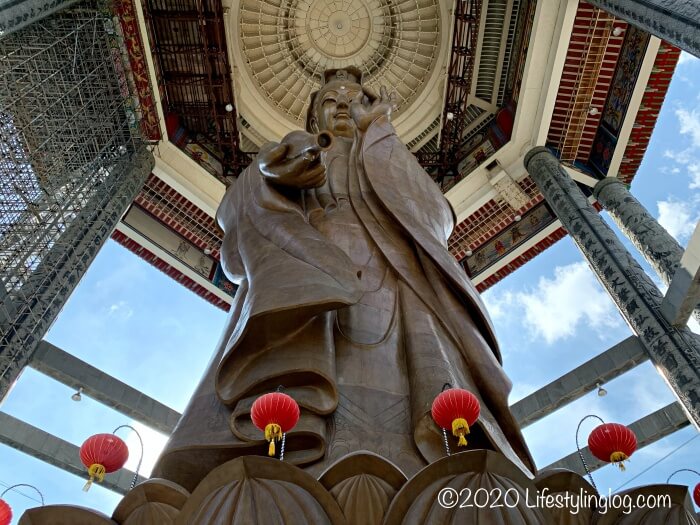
{"x": 281, "y": 164}
{"x": 367, "y": 106}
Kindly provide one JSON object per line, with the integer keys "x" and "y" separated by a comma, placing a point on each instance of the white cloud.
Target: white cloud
{"x": 687, "y": 58}
{"x": 678, "y": 217}
{"x": 650, "y": 396}
{"x": 694, "y": 172}
{"x": 681, "y": 157}
{"x": 121, "y": 310}
{"x": 690, "y": 160}
{"x": 690, "y": 124}
{"x": 557, "y": 307}
{"x": 498, "y": 306}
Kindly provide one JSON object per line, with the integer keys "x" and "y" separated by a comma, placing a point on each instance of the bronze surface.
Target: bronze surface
{"x": 349, "y": 299}
{"x": 366, "y": 489}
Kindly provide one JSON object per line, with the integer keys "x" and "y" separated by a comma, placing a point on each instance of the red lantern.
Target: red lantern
{"x": 612, "y": 442}
{"x": 274, "y": 413}
{"x": 102, "y": 454}
{"x": 456, "y": 409}
{"x": 5, "y": 513}
{"x": 696, "y": 495}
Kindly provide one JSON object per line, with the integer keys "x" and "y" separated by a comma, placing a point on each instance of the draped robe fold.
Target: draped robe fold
{"x": 296, "y": 289}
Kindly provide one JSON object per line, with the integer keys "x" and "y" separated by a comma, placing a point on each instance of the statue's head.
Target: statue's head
{"x": 329, "y": 109}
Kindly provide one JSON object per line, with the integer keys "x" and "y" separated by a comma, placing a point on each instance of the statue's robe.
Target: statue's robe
{"x": 349, "y": 299}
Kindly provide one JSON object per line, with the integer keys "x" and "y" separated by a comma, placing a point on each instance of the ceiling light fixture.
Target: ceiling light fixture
{"x": 601, "y": 391}
{"x": 78, "y": 395}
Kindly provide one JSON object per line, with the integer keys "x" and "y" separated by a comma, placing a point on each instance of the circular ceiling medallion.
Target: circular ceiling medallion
{"x": 287, "y": 44}
{"x": 337, "y": 30}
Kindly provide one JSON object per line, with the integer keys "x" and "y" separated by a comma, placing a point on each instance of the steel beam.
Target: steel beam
{"x": 571, "y": 386}
{"x": 56, "y": 451}
{"x": 459, "y": 80}
{"x": 175, "y": 32}
{"x": 648, "y": 430}
{"x": 71, "y": 371}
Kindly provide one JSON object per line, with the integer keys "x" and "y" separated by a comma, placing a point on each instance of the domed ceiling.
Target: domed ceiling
{"x": 282, "y": 48}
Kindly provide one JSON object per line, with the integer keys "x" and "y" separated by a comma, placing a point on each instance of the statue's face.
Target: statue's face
{"x": 333, "y": 107}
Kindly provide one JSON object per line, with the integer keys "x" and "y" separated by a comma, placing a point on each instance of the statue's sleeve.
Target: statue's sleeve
{"x": 393, "y": 170}
{"x": 413, "y": 198}
{"x": 294, "y": 278}
{"x": 268, "y": 241}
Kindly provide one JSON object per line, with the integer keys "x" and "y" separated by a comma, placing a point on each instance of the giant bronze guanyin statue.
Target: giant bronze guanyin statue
{"x": 348, "y": 298}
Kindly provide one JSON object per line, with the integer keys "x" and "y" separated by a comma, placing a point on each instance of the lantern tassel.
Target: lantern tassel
{"x": 272, "y": 432}
{"x": 618, "y": 458}
{"x": 96, "y": 471}
{"x": 460, "y": 428}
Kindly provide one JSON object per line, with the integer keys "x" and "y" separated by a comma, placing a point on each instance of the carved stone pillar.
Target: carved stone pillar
{"x": 676, "y": 21}
{"x": 674, "y": 351}
{"x": 17, "y": 15}
{"x": 652, "y": 240}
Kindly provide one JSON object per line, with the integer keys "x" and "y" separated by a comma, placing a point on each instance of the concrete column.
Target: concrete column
{"x": 676, "y": 21}
{"x": 674, "y": 351}
{"x": 652, "y": 240}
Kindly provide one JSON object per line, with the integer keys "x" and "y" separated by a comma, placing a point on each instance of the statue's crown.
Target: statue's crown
{"x": 349, "y": 74}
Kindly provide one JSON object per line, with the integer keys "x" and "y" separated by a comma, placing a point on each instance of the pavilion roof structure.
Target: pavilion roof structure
{"x": 188, "y": 47}
{"x": 480, "y": 85}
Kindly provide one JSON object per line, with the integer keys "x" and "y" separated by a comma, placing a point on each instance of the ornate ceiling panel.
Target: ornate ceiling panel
{"x": 279, "y": 48}
{"x": 284, "y": 46}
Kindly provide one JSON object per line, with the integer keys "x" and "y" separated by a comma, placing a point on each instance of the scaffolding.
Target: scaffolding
{"x": 579, "y": 105}
{"x": 71, "y": 162}
{"x": 459, "y": 81}
{"x": 188, "y": 42}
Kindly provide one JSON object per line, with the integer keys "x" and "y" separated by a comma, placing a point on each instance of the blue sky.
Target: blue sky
{"x": 138, "y": 325}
